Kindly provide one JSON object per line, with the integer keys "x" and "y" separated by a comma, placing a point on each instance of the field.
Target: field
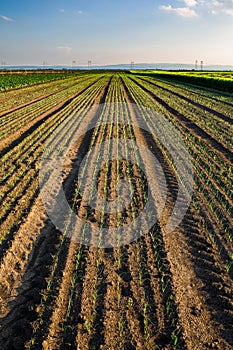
{"x": 19, "y": 79}
{"x": 163, "y": 289}
{"x": 222, "y": 81}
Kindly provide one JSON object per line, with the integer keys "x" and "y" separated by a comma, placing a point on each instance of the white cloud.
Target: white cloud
{"x": 225, "y": 6}
{"x": 61, "y": 10}
{"x": 214, "y": 7}
{"x": 180, "y": 11}
{"x": 80, "y": 12}
{"x": 190, "y": 3}
{"x": 7, "y": 19}
{"x": 66, "y": 49}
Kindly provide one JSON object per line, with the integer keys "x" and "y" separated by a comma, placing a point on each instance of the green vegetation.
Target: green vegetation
{"x": 18, "y": 79}
{"x": 222, "y": 81}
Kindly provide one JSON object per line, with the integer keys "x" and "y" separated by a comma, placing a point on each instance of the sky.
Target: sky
{"x": 60, "y": 32}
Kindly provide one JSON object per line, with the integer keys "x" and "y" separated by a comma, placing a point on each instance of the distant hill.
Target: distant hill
{"x": 164, "y": 66}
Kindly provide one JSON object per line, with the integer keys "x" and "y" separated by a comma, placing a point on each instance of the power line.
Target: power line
{"x": 201, "y": 65}
{"x": 45, "y": 64}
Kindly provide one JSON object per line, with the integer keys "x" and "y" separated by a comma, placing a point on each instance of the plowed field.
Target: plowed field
{"x": 161, "y": 289}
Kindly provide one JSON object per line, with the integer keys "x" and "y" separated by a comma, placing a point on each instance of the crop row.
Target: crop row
{"x": 115, "y": 121}
{"x": 21, "y": 163}
{"x": 222, "y": 208}
{"x": 23, "y": 117}
{"x": 201, "y": 98}
{"x": 215, "y": 126}
{"x": 218, "y": 82}
{"x": 16, "y": 99}
{"x": 70, "y": 285}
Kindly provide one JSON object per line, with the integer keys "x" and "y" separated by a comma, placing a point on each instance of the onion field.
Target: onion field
{"x": 162, "y": 290}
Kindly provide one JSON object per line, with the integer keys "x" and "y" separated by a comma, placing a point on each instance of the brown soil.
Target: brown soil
{"x": 163, "y": 291}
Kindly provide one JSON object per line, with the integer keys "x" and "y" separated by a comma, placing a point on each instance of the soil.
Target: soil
{"x": 162, "y": 291}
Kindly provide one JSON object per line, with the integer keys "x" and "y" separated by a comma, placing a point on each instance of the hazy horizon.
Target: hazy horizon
{"x": 126, "y": 66}
{"x": 72, "y": 32}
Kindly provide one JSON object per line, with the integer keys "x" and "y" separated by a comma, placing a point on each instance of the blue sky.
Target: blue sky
{"x": 119, "y": 31}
